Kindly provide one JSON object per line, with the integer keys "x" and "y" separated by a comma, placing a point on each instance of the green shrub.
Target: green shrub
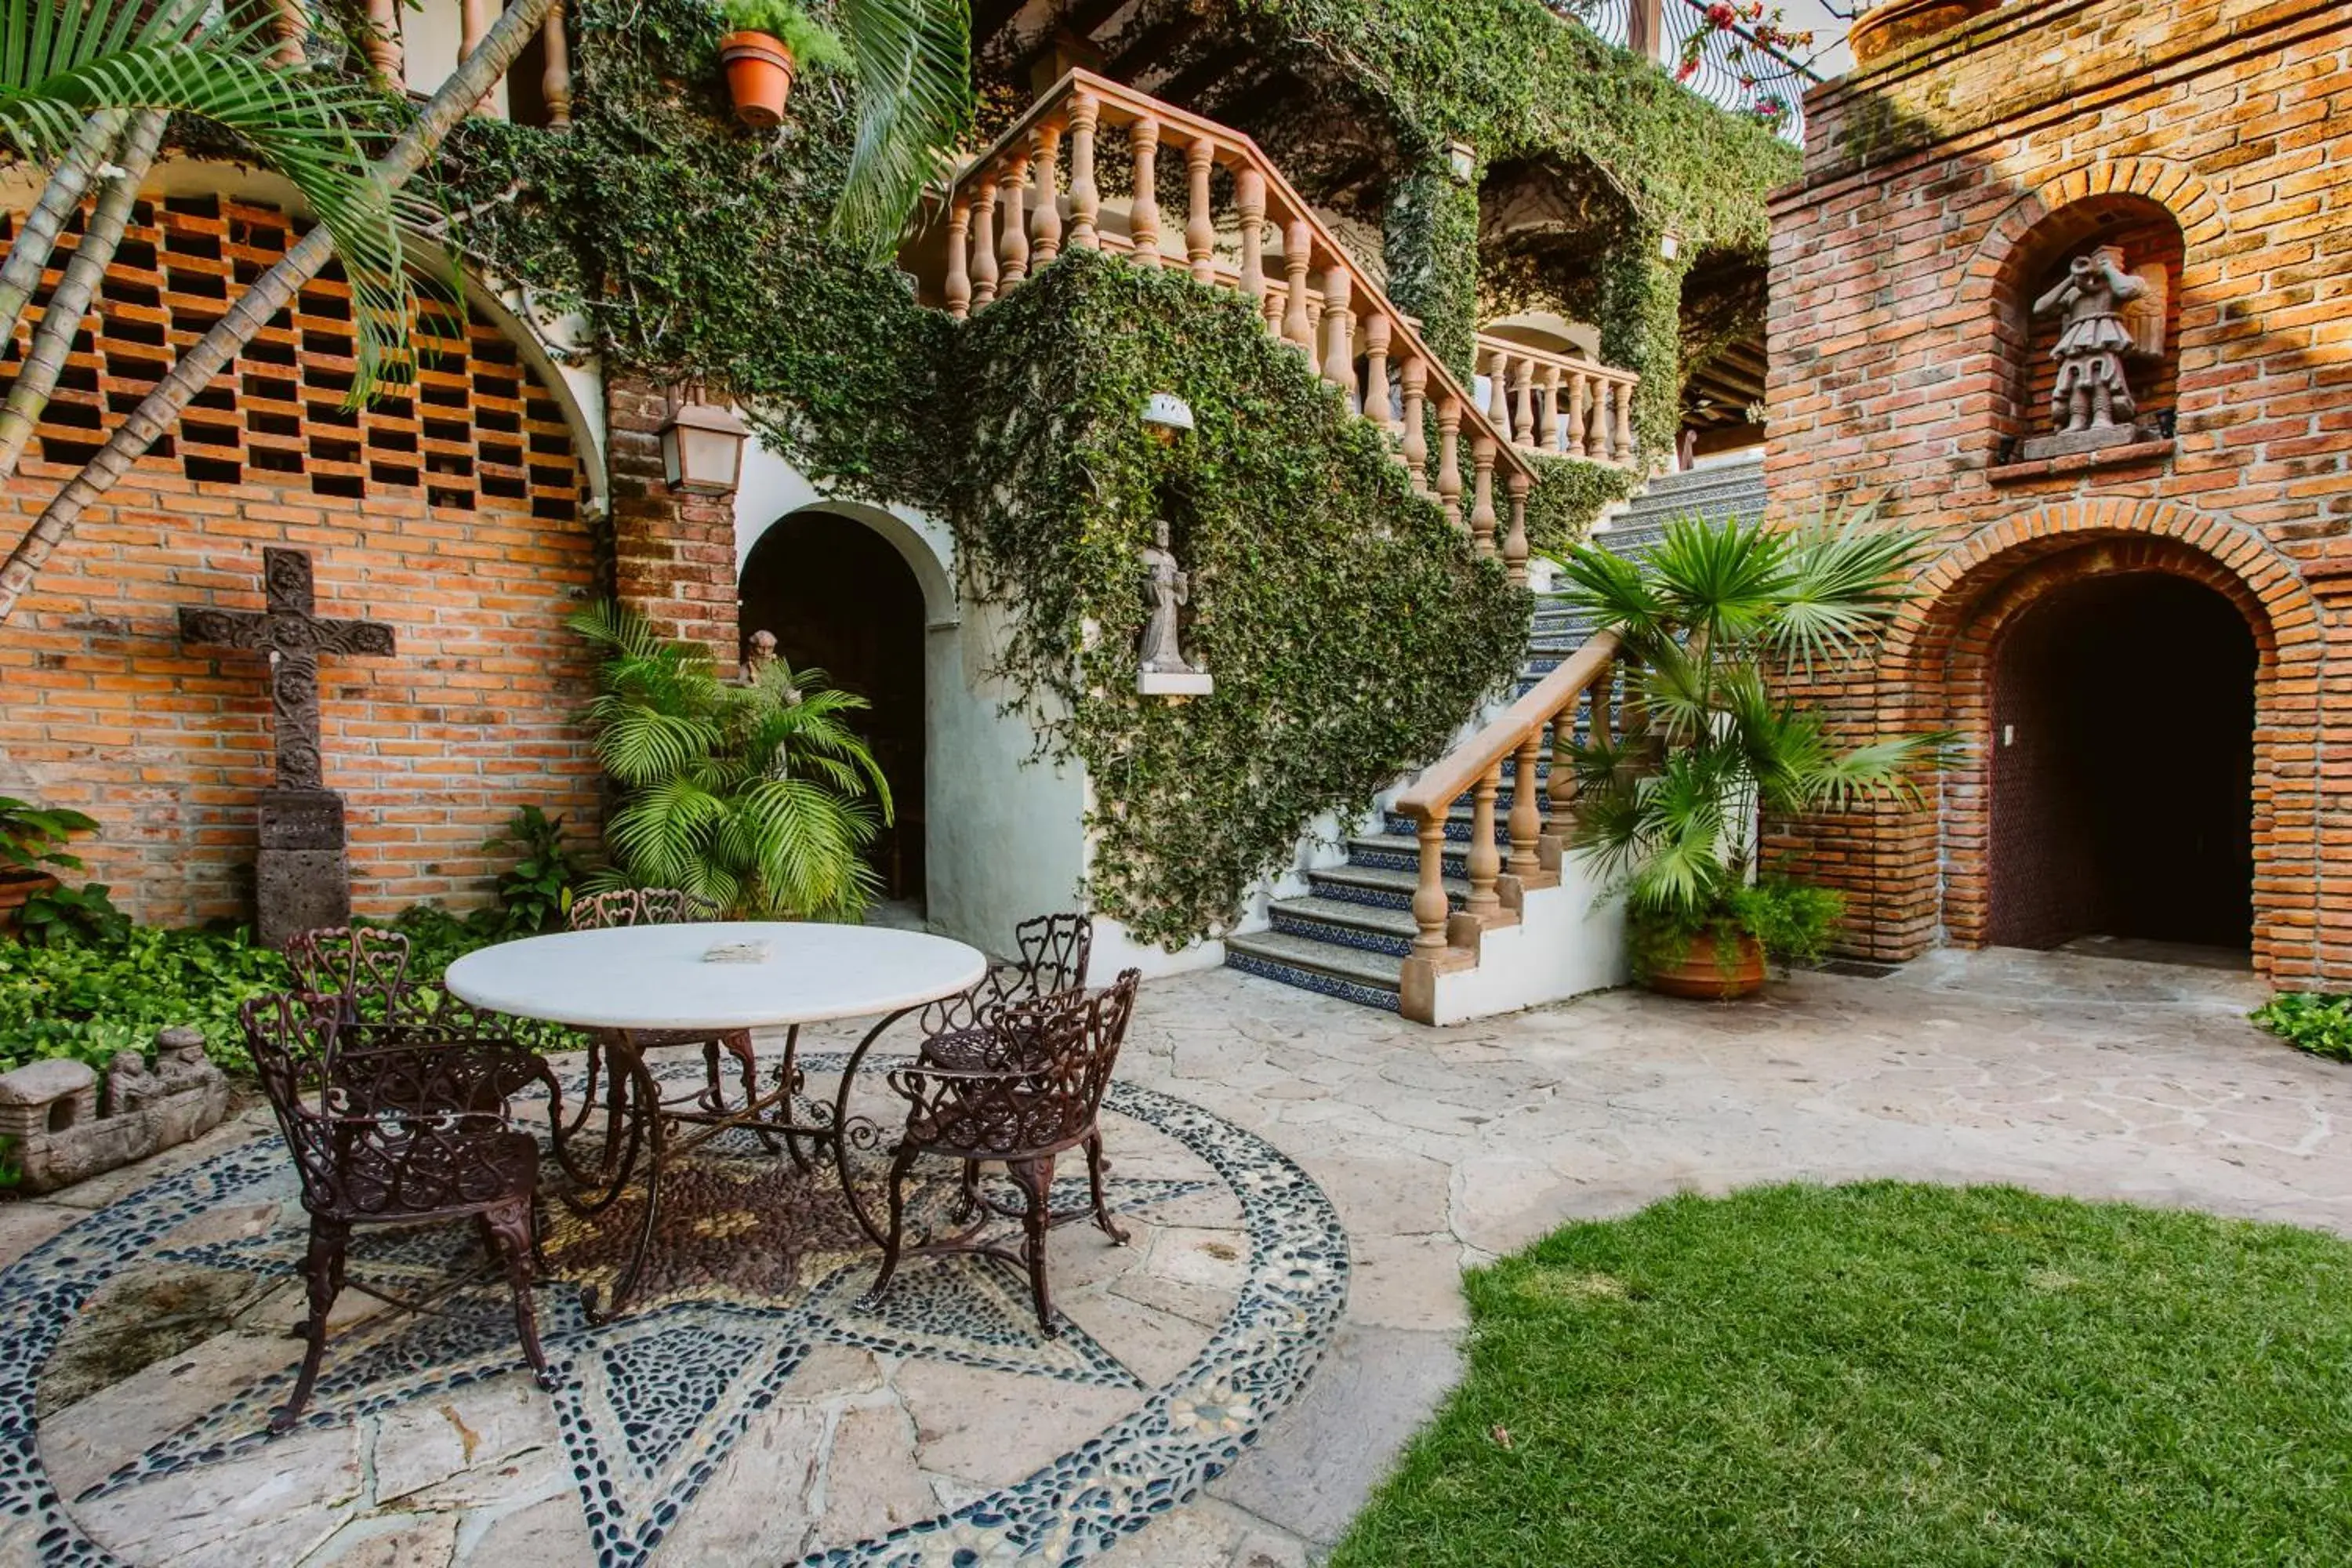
{"x": 1792, "y": 921}
{"x": 2320, "y": 1025}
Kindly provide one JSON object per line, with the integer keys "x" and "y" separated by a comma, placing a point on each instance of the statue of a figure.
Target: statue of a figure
{"x": 1171, "y": 588}
{"x": 2091, "y": 392}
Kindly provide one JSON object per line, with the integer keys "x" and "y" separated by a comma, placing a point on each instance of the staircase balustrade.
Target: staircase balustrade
{"x": 1541, "y": 812}
{"x": 1009, "y": 213}
{"x": 1559, "y": 405}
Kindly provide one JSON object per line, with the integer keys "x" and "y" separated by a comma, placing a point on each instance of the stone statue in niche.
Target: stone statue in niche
{"x": 2106, "y": 316}
{"x": 1164, "y": 670}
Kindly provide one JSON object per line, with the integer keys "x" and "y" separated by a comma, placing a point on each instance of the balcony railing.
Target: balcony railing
{"x": 1556, "y": 405}
{"x": 1233, "y": 222}
{"x": 1734, "y": 71}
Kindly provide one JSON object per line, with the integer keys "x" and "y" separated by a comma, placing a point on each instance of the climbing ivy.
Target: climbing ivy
{"x": 1350, "y": 628}
{"x": 1569, "y": 494}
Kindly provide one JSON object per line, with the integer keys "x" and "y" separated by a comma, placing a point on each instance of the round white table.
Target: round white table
{"x": 644, "y": 985}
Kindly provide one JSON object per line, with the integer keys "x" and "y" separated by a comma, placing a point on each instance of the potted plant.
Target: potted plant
{"x": 769, "y": 42}
{"x": 754, "y": 797}
{"x": 1669, "y": 808}
{"x": 32, "y": 841}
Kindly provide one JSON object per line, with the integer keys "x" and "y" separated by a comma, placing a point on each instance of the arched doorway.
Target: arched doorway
{"x": 2123, "y": 758}
{"x": 839, "y": 596}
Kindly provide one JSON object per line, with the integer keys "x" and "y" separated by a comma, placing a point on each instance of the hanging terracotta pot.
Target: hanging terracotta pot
{"x": 1701, "y": 975}
{"x": 759, "y": 75}
{"x": 1890, "y": 26}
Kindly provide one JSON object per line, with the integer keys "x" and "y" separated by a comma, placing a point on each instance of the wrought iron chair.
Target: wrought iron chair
{"x": 365, "y": 967}
{"x": 394, "y": 1123}
{"x": 1042, "y": 1096}
{"x": 667, "y": 906}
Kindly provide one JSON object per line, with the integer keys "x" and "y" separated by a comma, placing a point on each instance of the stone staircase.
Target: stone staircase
{"x": 1348, "y": 936}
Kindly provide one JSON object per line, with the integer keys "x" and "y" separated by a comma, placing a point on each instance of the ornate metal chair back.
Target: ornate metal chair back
{"x": 365, "y": 967}
{"x": 385, "y": 1120}
{"x": 637, "y": 907}
{"x": 1053, "y": 951}
{"x": 1051, "y": 1067}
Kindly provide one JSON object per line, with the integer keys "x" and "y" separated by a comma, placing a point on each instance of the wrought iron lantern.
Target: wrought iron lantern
{"x": 702, "y": 444}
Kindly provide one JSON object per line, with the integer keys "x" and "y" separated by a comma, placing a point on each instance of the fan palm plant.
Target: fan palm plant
{"x": 756, "y": 797}
{"x": 1669, "y": 811}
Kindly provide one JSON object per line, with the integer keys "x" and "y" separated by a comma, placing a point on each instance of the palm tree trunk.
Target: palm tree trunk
{"x": 270, "y": 293}
{"x": 20, "y": 275}
{"x": 61, "y": 317}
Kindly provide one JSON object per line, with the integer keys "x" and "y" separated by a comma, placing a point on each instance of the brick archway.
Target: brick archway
{"x": 2173, "y": 187}
{"x": 1927, "y": 867}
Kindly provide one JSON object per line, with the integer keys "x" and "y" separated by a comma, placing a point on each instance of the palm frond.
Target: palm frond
{"x": 914, "y": 100}
{"x": 1845, "y": 580}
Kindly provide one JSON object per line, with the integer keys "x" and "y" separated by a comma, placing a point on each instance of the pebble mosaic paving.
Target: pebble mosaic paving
{"x": 143, "y": 1351}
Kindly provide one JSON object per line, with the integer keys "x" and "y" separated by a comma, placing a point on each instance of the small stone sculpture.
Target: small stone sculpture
{"x": 50, "y": 1110}
{"x": 2090, "y": 392}
{"x": 1164, "y": 669}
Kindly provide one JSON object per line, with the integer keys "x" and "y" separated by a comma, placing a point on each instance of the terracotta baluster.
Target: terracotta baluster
{"x": 1276, "y": 300}
{"x": 1449, "y": 456}
{"x": 1498, "y": 401}
{"x": 1485, "y": 861}
{"x": 1522, "y": 404}
{"x": 1548, "y": 410}
{"x": 1515, "y": 543}
{"x": 1200, "y": 224}
{"x": 1339, "y": 330}
{"x": 289, "y": 24}
{"x": 1596, "y": 440}
{"x": 1045, "y": 207}
{"x": 983, "y": 243}
{"x": 958, "y": 288}
{"x": 1376, "y": 373}
{"x": 1416, "y": 421}
{"x": 1297, "y": 254}
{"x": 383, "y": 45}
{"x": 1086, "y": 200}
{"x": 1249, "y": 200}
{"x": 1430, "y": 907}
{"x": 1622, "y": 450}
{"x": 474, "y": 20}
{"x": 555, "y": 82}
{"x": 1576, "y": 391}
{"x": 1143, "y": 210}
{"x": 1526, "y": 819}
{"x": 1482, "y": 491}
{"x": 1012, "y": 231}
{"x": 1559, "y": 791}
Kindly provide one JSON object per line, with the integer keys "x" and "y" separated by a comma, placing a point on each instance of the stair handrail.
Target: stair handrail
{"x": 1017, "y": 177}
{"x": 1538, "y": 833}
{"x": 1557, "y": 403}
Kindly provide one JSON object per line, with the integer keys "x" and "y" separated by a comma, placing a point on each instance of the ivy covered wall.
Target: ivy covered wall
{"x": 1350, "y": 627}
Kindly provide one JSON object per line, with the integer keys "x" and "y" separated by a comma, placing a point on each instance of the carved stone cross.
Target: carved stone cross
{"x": 302, "y": 879}
{"x": 294, "y": 636}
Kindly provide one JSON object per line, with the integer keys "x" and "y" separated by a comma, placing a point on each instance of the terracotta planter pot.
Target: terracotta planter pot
{"x": 760, "y": 75}
{"x": 1700, "y": 974}
{"x": 17, "y": 888}
{"x": 1890, "y": 26}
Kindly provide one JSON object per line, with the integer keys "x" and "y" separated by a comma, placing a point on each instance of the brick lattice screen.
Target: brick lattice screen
{"x": 452, "y": 511}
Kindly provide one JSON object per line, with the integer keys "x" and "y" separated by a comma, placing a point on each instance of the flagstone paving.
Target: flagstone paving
{"x": 756, "y": 1414}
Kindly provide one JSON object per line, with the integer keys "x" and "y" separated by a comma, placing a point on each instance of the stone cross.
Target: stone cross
{"x": 295, "y": 636}
{"x": 303, "y": 879}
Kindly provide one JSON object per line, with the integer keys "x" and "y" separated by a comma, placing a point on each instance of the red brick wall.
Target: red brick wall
{"x": 1938, "y": 185}
{"x": 454, "y": 516}
{"x": 673, "y": 552}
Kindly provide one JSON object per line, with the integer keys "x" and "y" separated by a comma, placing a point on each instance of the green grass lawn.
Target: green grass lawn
{"x": 1891, "y": 1375}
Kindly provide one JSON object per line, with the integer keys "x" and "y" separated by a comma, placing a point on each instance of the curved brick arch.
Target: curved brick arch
{"x": 2174, "y": 187}
{"x": 1935, "y": 670}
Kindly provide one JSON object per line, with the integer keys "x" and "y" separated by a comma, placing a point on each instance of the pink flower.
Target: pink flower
{"x": 1720, "y": 15}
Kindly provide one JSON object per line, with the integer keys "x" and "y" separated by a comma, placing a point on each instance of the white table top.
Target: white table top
{"x": 656, "y": 977}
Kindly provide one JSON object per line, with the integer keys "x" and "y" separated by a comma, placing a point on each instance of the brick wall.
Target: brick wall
{"x": 1941, "y": 185}
{"x": 673, "y": 553}
{"x": 453, "y": 515}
